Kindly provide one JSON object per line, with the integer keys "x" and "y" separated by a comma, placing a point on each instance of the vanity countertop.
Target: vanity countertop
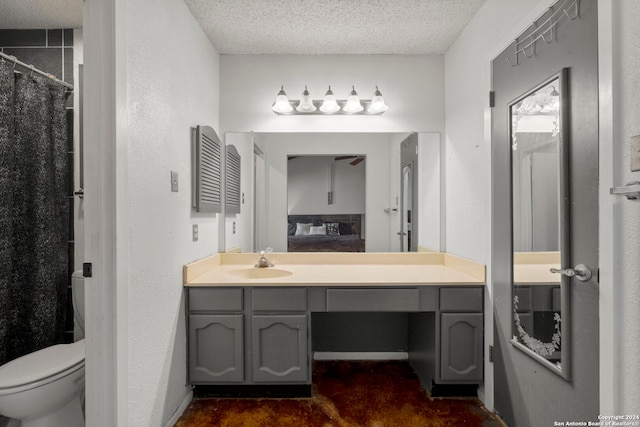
{"x": 334, "y": 269}
{"x": 534, "y": 268}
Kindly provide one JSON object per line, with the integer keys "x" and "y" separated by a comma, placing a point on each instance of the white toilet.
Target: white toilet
{"x": 46, "y": 388}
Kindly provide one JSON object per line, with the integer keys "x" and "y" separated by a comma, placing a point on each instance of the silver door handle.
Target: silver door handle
{"x": 401, "y": 233}
{"x": 580, "y": 271}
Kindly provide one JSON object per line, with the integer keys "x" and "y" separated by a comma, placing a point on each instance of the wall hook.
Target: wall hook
{"x": 550, "y": 31}
{"x": 515, "y": 48}
{"x": 576, "y": 13}
{"x": 531, "y": 45}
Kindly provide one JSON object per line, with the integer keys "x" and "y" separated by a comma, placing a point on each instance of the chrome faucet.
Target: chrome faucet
{"x": 263, "y": 261}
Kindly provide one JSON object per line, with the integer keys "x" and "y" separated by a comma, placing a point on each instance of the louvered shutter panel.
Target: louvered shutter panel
{"x": 208, "y": 197}
{"x": 232, "y": 184}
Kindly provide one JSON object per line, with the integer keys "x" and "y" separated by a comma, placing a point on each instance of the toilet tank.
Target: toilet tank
{"x": 77, "y": 292}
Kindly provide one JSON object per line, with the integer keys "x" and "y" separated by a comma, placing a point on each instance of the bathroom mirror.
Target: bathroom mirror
{"x": 265, "y": 216}
{"x": 539, "y": 212}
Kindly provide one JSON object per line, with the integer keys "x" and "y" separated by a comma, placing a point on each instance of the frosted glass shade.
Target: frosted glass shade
{"x": 282, "y": 104}
{"x": 306, "y": 103}
{"x": 330, "y": 103}
{"x": 353, "y": 104}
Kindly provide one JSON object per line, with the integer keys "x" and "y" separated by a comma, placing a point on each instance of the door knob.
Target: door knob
{"x": 580, "y": 271}
{"x": 401, "y": 233}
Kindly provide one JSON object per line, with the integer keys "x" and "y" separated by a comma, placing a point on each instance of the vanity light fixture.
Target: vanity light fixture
{"x": 377, "y": 102}
{"x": 282, "y": 104}
{"x": 306, "y": 103}
{"x": 353, "y": 105}
{"x": 330, "y": 103}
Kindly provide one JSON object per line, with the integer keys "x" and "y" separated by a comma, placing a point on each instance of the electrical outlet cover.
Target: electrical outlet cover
{"x": 174, "y": 181}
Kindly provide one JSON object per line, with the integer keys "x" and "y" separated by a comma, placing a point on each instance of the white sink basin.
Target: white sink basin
{"x": 260, "y": 273}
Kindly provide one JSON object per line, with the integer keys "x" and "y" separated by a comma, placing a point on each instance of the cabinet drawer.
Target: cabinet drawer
{"x": 279, "y": 299}
{"x": 215, "y": 299}
{"x": 461, "y": 299}
{"x": 373, "y": 300}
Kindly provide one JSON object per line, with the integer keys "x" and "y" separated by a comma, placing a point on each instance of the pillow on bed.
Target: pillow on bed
{"x": 302, "y": 229}
{"x": 345, "y": 228}
{"x": 333, "y": 228}
{"x": 320, "y": 230}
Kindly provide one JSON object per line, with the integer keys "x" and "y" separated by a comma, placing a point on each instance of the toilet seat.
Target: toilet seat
{"x": 40, "y": 366}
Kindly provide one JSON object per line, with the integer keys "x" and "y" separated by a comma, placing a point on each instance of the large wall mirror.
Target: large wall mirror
{"x": 347, "y": 186}
{"x": 540, "y": 229}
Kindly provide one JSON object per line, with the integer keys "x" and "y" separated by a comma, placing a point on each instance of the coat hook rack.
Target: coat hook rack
{"x": 542, "y": 30}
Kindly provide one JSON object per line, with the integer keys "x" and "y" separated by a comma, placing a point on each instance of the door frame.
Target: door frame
{"x": 486, "y": 391}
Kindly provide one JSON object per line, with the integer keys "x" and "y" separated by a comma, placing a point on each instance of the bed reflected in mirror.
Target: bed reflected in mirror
{"x": 326, "y": 203}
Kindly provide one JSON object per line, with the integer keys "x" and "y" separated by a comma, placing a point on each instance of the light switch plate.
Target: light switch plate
{"x": 174, "y": 181}
{"x": 635, "y": 153}
{"x": 194, "y": 232}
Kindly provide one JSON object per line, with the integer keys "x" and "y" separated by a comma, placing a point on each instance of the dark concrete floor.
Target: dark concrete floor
{"x": 346, "y": 394}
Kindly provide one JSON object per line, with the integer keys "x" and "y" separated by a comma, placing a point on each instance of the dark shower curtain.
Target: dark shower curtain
{"x": 34, "y": 213}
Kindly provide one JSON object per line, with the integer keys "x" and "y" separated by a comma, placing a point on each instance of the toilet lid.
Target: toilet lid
{"x": 41, "y": 364}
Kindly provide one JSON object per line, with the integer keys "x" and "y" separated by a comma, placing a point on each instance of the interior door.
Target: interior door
{"x": 527, "y": 393}
{"x": 408, "y": 194}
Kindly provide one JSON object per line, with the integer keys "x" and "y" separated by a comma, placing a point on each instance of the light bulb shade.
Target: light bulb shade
{"x": 353, "y": 104}
{"x": 282, "y": 104}
{"x": 330, "y": 103}
{"x": 306, "y": 103}
{"x": 377, "y": 103}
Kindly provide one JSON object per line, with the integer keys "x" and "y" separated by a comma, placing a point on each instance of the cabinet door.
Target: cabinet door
{"x": 461, "y": 337}
{"x": 215, "y": 348}
{"x": 280, "y": 348}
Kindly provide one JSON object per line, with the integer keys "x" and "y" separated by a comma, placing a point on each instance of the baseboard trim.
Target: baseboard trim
{"x": 183, "y": 406}
{"x": 253, "y": 390}
{"x": 355, "y": 355}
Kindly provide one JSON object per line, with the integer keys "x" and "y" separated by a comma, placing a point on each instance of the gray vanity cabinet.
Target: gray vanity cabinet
{"x": 216, "y": 335}
{"x": 461, "y": 347}
{"x": 279, "y": 345}
{"x": 261, "y": 335}
{"x": 248, "y": 336}
{"x": 461, "y": 335}
{"x": 216, "y": 351}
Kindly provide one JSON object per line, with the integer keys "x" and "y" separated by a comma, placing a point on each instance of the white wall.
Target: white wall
{"x": 172, "y": 86}
{"x": 413, "y": 86}
{"x": 468, "y": 154}
{"x": 619, "y": 80}
{"x": 310, "y": 178}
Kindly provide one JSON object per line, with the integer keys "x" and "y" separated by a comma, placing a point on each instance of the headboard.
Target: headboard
{"x": 355, "y": 220}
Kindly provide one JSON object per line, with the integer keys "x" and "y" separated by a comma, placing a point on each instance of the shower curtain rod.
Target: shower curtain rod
{"x": 35, "y": 70}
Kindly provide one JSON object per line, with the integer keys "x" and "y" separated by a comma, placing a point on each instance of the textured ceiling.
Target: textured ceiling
{"x": 292, "y": 26}
{"x": 28, "y": 14}
{"x": 333, "y": 26}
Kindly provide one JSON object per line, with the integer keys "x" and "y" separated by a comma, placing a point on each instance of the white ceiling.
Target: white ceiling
{"x": 333, "y": 26}
{"x": 291, "y": 26}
